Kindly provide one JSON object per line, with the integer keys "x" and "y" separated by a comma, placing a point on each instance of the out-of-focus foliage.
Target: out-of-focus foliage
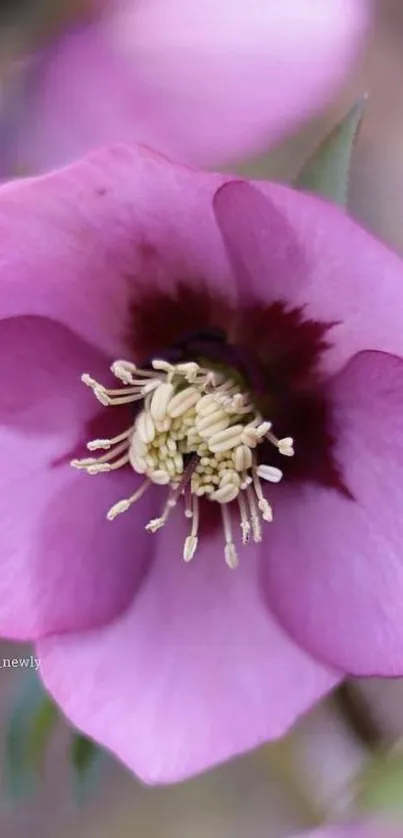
{"x": 380, "y": 786}
{"x": 85, "y": 758}
{"x": 32, "y": 722}
{"x": 30, "y": 726}
{"x": 327, "y": 172}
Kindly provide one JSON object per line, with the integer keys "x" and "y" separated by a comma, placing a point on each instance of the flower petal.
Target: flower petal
{"x": 41, "y": 363}
{"x": 222, "y": 79}
{"x": 298, "y": 248}
{"x": 333, "y": 572}
{"x": 194, "y": 673}
{"x": 62, "y": 565}
{"x": 203, "y": 82}
{"x": 76, "y": 244}
{"x": 369, "y": 829}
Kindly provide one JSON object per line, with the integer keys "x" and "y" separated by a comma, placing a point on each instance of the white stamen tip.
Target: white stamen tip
{"x": 160, "y": 477}
{"x": 96, "y": 444}
{"x": 189, "y": 370}
{"x": 124, "y": 371}
{"x": 246, "y": 528}
{"x": 88, "y": 381}
{"x": 155, "y": 524}
{"x": 160, "y": 400}
{"x": 83, "y": 463}
{"x": 285, "y": 446}
{"x": 231, "y": 557}
{"x": 118, "y": 509}
{"x": 99, "y": 468}
{"x": 270, "y": 473}
{"x": 256, "y": 530}
{"x": 182, "y": 402}
{"x": 102, "y": 397}
{"x": 263, "y": 429}
{"x": 266, "y": 510}
{"x": 190, "y": 547}
{"x": 163, "y": 366}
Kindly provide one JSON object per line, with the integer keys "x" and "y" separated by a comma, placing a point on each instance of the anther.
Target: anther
{"x": 105, "y": 444}
{"x": 225, "y": 440}
{"x": 270, "y": 473}
{"x": 244, "y": 523}
{"x": 124, "y": 504}
{"x": 124, "y": 371}
{"x": 160, "y": 400}
{"x": 178, "y": 423}
{"x": 190, "y": 547}
{"x": 286, "y": 446}
{"x": 230, "y": 553}
{"x": 254, "y": 516}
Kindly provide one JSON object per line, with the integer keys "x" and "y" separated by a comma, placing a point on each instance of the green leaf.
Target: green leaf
{"x": 380, "y": 786}
{"x": 86, "y": 758}
{"x": 28, "y": 731}
{"x": 326, "y": 173}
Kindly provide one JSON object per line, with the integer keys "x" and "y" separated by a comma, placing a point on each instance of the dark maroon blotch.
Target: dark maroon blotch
{"x": 276, "y": 349}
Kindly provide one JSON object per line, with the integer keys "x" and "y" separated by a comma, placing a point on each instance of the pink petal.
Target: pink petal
{"x": 195, "y": 672}
{"x": 292, "y": 246}
{"x": 221, "y": 79}
{"x": 41, "y": 363}
{"x": 203, "y": 82}
{"x": 76, "y": 244}
{"x": 64, "y": 116}
{"x": 333, "y": 572}
{"x": 356, "y": 830}
{"x": 63, "y": 565}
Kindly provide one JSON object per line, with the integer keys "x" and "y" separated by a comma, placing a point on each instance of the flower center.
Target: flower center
{"x": 198, "y": 432}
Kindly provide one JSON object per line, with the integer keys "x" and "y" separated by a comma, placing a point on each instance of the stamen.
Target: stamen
{"x": 124, "y": 371}
{"x": 270, "y": 473}
{"x": 192, "y": 540}
{"x": 197, "y": 433}
{"x": 114, "y": 401}
{"x": 89, "y": 462}
{"x": 96, "y": 444}
{"x": 124, "y": 504}
{"x": 285, "y": 446}
{"x": 254, "y": 516}
{"x": 188, "y": 502}
{"x": 156, "y": 523}
{"x": 245, "y": 524}
{"x": 263, "y": 504}
{"x": 98, "y": 467}
{"x": 162, "y": 366}
{"x": 231, "y": 557}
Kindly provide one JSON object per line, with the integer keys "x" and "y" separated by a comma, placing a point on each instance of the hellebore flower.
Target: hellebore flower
{"x": 266, "y": 330}
{"x": 204, "y": 82}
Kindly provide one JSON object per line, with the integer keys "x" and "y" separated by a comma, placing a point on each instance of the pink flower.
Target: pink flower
{"x": 202, "y": 81}
{"x": 283, "y": 311}
{"x": 357, "y": 830}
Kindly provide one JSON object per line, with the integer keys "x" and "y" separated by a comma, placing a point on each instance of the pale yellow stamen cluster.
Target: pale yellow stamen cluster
{"x": 197, "y": 433}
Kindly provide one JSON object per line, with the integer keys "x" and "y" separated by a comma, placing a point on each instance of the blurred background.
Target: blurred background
{"x": 315, "y": 772}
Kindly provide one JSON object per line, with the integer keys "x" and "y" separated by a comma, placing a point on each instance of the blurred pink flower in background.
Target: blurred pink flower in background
{"x": 202, "y": 81}
{"x": 376, "y": 829}
{"x": 122, "y": 255}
